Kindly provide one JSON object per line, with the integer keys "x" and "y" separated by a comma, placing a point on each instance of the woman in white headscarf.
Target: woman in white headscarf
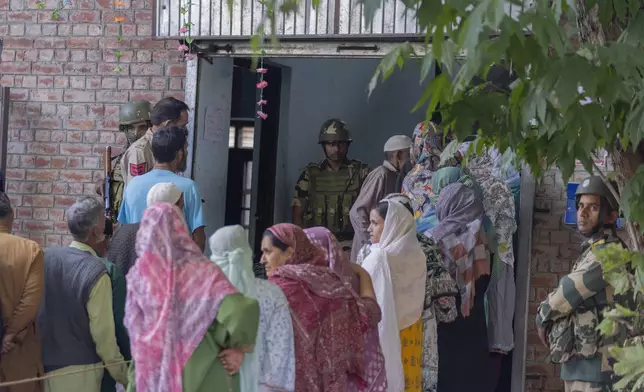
{"x": 397, "y": 267}
{"x": 271, "y": 366}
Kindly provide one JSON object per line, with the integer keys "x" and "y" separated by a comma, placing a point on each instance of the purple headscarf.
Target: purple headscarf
{"x": 457, "y": 207}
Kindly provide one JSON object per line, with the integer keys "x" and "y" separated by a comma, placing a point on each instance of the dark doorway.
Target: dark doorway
{"x": 252, "y": 166}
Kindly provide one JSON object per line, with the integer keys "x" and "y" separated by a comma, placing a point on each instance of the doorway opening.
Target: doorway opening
{"x": 252, "y": 152}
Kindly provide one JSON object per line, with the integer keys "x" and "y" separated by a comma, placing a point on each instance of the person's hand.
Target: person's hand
{"x": 232, "y": 359}
{"x": 8, "y": 344}
{"x": 543, "y": 336}
{"x": 360, "y": 272}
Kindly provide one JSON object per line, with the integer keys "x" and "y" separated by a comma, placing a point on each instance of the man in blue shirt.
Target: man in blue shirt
{"x": 169, "y": 146}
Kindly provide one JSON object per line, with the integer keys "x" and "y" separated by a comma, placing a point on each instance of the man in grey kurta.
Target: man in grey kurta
{"x": 378, "y": 184}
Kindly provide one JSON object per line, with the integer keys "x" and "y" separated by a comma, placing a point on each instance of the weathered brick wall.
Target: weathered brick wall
{"x": 65, "y": 98}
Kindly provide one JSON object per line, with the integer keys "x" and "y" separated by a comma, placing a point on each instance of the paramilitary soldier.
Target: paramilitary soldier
{"x": 325, "y": 191}
{"x": 138, "y": 159}
{"x": 134, "y": 121}
{"x": 567, "y": 319}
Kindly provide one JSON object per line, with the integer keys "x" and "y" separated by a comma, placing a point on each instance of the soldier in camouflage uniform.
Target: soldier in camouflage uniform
{"x": 326, "y": 190}
{"x": 134, "y": 121}
{"x": 568, "y": 317}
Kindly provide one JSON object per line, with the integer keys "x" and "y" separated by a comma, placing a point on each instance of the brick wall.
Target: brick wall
{"x": 65, "y": 97}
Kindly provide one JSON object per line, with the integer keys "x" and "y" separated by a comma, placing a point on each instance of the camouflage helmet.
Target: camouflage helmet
{"x": 594, "y": 185}
{"x": 334, "y": 130}
{"x": 135, "y": 111}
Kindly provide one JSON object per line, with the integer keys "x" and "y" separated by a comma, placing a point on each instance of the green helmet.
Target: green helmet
{"x": 134, "y": 112}
{"x": 334, "y": 130}
{"x": 594, "y": 185}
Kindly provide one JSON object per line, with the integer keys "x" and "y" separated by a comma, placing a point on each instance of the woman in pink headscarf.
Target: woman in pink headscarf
{"x": 329, "y": 319}
{"x": 185, "y": 319}
{"x": 374, "y": 361}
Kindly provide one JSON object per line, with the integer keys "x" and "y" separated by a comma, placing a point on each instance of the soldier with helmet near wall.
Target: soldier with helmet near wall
{"x": 567, "y": 319}
{"x": 325, "y": 191}
{"x": 134, "y": 122}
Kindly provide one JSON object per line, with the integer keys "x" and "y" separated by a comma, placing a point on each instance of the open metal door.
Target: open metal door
{"x": 4, "y": 132}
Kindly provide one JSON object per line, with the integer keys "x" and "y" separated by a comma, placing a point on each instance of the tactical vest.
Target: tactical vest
{"x": 331, "y": 195}
{"x": 576, "y": 335}
{"x": 116, "y": 186}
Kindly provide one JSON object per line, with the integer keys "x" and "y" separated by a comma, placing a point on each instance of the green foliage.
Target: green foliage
{"x": 624, "y": 271}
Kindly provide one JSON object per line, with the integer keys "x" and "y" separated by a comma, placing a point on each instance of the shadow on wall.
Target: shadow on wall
{"x": 320, "y": 89}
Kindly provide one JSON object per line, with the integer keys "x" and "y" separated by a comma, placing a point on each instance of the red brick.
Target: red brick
{"x": 111, "y": 15}
{"x": 38, "y": 200}
{"x": 80, "y": 69}
{"x": 85, "y": 16}
{"x": 64, "y": 201}
{"x": 42, "y": 148}
{"x": 23, "y": 213}
{"x": 83, "y": 125}
{"x": 111, "y": 96}
{"x": 79, "y": 96}
{"x": 42, "y": 175}
{"x": 46, "y": 68}
{"x": 17, "y": 43}
{"x": 176, "y": 70}
{"x": 37, "y": 226}
{"x": 147, "y": 96}
{"x": 547, "y": 280}
{"x": 76, "y": 175}
{"x": 49, "y": 43}
{"x": 53, "y": 240}
{"x": 19, "y": 16}
{"x": 82, "y": 43}
{"x": 45, "y": 95}
{"x": 75, "y": 149}
{"x": 15, "y": 68}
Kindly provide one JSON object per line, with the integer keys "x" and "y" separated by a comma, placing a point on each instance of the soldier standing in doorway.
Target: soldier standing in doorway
{"x": 325, "y": 191}
{"x": 567, "y": 319}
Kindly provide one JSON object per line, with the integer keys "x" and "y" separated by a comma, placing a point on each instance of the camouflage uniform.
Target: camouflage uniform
{"x": 131, "y": 113}
{"x": 325, "y": 196}
{"x": 571, "y": 314}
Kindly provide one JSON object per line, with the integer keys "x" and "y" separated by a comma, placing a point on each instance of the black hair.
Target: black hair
{"x": 167, "y": 142}
{"x": 275, "y": 241}
{"x": 383, "y": 207}
{"x": 167, "y": 109}
{"x": 5, "y": 206}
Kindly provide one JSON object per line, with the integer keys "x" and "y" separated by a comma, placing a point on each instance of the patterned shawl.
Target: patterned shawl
{"x": 461, "y": 238}
{"x": 374, "y": 363}
{"x": 173, "y": 294}
{"x": 425, "y": 155}
{"x": 329, "y": 320}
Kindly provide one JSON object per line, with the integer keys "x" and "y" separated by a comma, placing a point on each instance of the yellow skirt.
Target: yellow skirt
{"x": 411, "y": 342}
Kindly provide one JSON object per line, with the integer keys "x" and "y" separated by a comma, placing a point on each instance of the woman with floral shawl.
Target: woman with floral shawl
{"x": 417, "y": 185}
{"x": 329, "y": 319}
{"x": 374, "y": 360}
{"x": 463, "y": 345}
{"x": 396, "y": 264}
{"x": 181, "y": 311}
{"x": 271, "y": 366}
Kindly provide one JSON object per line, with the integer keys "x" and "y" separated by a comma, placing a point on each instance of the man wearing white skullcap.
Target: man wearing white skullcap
{"x": 165, "y": 192}
{"x": 378, "y": 184}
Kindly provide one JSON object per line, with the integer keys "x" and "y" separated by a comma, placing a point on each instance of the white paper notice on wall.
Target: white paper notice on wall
{"x": 215, "y": 124}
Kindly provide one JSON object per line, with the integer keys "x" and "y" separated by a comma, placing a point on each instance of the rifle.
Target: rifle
{"x": 107, "y": 197}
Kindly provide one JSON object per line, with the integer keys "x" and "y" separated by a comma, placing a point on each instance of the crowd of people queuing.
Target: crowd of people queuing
{"x": 424, "y": 295}
{"x": 395, "y": 279}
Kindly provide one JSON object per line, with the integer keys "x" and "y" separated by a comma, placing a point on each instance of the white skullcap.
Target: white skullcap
{"x": 165, "y": 192}
{"x": 398, "y": 142}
